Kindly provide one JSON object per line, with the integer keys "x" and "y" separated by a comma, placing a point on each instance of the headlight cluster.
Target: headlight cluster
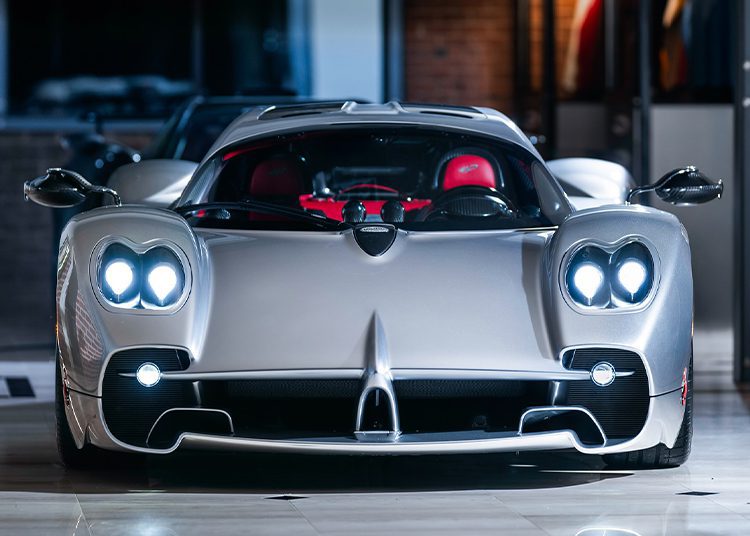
{"x": 151, "y": 280}
{"x": 598, "y": 279}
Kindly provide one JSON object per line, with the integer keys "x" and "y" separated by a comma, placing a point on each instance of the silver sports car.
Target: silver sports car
{"x": 390, "y": 279}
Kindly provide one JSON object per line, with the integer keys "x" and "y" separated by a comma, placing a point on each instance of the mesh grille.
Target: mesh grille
{"x": 294, "y": 388}
{"x": 457, "y": 388}
{"x": 130, "y": 410}
{"x": 622, "y": 407}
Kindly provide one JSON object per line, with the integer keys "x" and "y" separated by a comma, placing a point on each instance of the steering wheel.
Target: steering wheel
{"x": 470, "y": 202}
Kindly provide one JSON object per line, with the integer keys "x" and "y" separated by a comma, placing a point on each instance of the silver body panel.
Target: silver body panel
{"x": 282, "y": 304}
{"x": 156, "y": 183}
{"x": 594, "y": 182}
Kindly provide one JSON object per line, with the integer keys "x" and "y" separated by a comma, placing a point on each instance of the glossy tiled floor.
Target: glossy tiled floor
{"x": 558, "y": 494}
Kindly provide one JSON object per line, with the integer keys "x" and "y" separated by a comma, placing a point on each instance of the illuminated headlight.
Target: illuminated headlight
{"x": 633, "y": 273}
{"x": 587, "y": 277}
{"x": 596, "y": 278}
{"x": 148, "y": 375}
{"x": 151, "y": 280}
{"x": 164, "y": 278}
{"x": 119, "y": 273}
{"x": 119, "y": 276}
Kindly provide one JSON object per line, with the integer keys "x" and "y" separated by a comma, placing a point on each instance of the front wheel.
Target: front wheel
{"x": 661, "y": 456}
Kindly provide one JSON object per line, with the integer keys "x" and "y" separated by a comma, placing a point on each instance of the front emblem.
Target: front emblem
{"x": 375, "y": 239}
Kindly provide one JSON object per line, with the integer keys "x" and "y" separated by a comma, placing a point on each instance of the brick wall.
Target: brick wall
{"x": 462, "y": 53}
{"x": 459, "y": 53}
{"x": 26, "y": 269}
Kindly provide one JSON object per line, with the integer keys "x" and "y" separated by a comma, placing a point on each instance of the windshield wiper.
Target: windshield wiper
{"x": 266, "y": 208}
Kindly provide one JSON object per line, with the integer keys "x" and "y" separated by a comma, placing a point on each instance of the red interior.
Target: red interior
{"x": 274, "y": 177}
{"x": 332, "y": 208}
{"x": 469, "y": 170}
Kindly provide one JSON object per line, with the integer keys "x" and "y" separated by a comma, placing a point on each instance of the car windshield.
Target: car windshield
{"x": 416, "y": 178}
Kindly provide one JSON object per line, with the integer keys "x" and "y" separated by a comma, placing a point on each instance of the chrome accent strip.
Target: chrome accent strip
{"x": 377, "y": 376}
{"x": 170, "y": 410}
{"x": 636, "y": 351}
{"x": 487, "y": 374}
{"x": 288, "y": 374}
{"x": 395, "y": 373}
{"x": 529, "y": 413}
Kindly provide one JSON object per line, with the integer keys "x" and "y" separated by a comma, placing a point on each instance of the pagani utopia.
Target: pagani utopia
{"x": 343, "y": 278}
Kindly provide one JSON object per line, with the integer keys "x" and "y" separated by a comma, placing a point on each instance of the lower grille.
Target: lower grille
{"x": 328, "y": 407}
{"x": 286, "y": 408}
{"x": 130, "y": 410}
{"x": 622, "y": 407}
{"x": 458, "y": 405}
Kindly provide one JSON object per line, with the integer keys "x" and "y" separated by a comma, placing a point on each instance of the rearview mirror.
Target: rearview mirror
{"x": 683, "y": 186}
{"x": 62, "y": 188}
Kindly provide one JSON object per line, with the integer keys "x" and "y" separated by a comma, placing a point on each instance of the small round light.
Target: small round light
{"x": 119, "y": 276}
{"x": 603, "y": 374}
{"x": 588, "y": 279}
{"x": 632, "y": 275}
{"x": 162, "y": 280}
{"x": 148, "y": 375}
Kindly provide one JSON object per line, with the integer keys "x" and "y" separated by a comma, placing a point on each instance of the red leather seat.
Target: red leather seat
{"x": 276, "y": 177}
{"x": 469, "y": 170}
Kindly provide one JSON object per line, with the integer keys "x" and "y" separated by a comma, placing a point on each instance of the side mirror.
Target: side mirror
{"x": 62, "y": 188}
{"x": 683, "y": 186}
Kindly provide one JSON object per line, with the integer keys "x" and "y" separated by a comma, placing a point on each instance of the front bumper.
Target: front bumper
{"x": 662, "y": 426}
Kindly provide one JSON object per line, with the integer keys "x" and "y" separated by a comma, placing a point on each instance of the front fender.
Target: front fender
{"x": 661, "y": 330}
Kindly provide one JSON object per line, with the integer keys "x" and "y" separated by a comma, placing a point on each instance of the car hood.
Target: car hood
{"x": 291, "y": 300}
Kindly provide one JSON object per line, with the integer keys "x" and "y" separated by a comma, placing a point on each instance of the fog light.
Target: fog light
{"x": 603, "y": 374}
{"x": 148, "y": 375}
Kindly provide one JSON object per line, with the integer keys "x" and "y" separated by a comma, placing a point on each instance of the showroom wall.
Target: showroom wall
{"x": 346, "y": 49}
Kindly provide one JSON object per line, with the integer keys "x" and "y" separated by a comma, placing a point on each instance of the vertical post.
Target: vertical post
{"x": 393, "y": 59}
{"x": 196, "y": 45}
{"x": 298, "y": 29}
{"x": 742, "y": 196}
{"x": 549, "y": 82}
{"x": 644, "y": 62}
{"x": 610, "y": 44}
{"x": 4, "y": 44}
{"x": 521, "y": 58}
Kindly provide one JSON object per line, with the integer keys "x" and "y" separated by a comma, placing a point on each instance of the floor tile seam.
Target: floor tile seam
{"x": 83, "y": 514}
{"x": 509, "y": 507}
{"x": 301, "y": 513}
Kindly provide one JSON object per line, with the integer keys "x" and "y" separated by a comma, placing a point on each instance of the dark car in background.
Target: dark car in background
{"x": 187, "y": 135}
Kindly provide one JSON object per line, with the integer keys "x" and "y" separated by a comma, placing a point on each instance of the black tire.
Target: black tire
{"x": 660, "y": 456}
{"x": 70, "y": 455}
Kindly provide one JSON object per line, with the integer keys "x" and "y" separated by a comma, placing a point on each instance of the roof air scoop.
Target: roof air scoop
{"x": 375, "y": 239}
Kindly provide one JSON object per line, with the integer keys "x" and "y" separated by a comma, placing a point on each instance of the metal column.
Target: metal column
{"x": 549, "y": 82}
{"x": 4, "y": 44}
{"x": 521, "y": 58}
{"x": 393, "y": 22}
{"x": 196, "y": 45}
{"x": 742, "y": 197}
{"x": 644, "y": 91}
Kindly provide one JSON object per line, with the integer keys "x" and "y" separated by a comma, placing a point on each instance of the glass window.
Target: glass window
{"x": 417, "y": 178}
